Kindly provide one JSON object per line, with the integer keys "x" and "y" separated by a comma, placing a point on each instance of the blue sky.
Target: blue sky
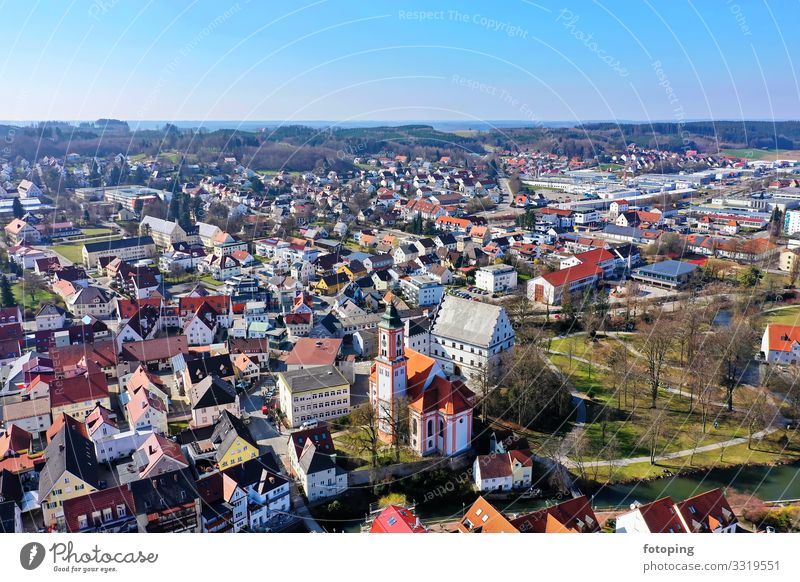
{"x": 379, "y": 60}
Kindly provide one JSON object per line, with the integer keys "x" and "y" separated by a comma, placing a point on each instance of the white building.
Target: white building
{"x": 422, "y": 290}
{"x": 780, "y": 344}
{"x": 496, "y": 278}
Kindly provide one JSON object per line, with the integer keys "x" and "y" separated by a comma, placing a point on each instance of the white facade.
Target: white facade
{"x": 496, "y": 278}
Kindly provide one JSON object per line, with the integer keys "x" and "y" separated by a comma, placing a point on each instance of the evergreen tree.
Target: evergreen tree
{"x": 17, "y": 208}
{"x": 6, "y": 293}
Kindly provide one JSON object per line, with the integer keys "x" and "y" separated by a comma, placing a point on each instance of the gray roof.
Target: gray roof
{"x": 87, "y": 295}
{"x": 313, "y": 378}
{"x": 121, "y": 243}
{"x": 68, "y": 451}
{"x": 669, "y": 268}
{"x": 469, "y": 321}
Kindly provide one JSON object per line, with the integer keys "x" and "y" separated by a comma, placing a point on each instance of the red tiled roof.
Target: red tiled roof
{"x": 574, "y": 273}
{"x": 397, "y": 519}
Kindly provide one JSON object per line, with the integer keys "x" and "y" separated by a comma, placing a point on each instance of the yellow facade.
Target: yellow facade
{"x": 239, "y": 452}
{"x": 68, "y": 486}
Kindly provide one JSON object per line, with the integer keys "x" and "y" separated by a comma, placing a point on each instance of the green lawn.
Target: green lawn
{"x": 766, "y": 452}
{"x": 788, "y": 316}
{"x": 96, "y": 231}
{"x": 25, "y": 301}
{"x": 74, "y": 251}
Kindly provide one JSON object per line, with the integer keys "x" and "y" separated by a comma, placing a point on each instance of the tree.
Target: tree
{"x": 481, "y": 383}
{"x": 398, "y": 423}
{"x": 619, "y": 367}
{"x": 17, "y": 209}
{"x": 657, "y": 344}
{"x": 734, "y": 348}
{"x": 6, "y": 292}
{"x": 363, "y": 437}
{"x": 32, "y": 284}
{"x": 759, "y": 416}
{"x": 749, "y": 277}
{"x": 656, "y": 424}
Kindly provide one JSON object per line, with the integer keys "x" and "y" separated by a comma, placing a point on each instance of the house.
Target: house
{"x": 50, "y": 316}
{"x": 571, "y": 516}
{"x": 439, "y": 409}
{"x": 312, "y": 394}
{"x": 210, "y": 397}
{"x": 397, "y": 519}
{"x": 92, "y": 301}
{"x": 332, "y": 284}
{"x": 156, "y": 456}
{"x": 551, "y": 287}
{"x": 707, "y": 512}
{"x": 110, "y": 443}
{"x": 107, "y": 511}
{"x": 780, "y": 344}
{"x": 470, "y": 336}
{"x": 167, "y": 503}
{"x": 70, "y": 471}
{"x": 312, "y": 458}
{"x": 669, "y": 274}
{"x": 492, "y": 472}
{"x": 496, "y": 278}
{"x": 268, "y": 492}
{"x": 503, "y": 471}
{"x": 223, "y": 504}
{"x": 77, "y": 396}
{"x": 311, "y": 352}
{"x": 482, "y": 517}
{"x": 146, "y": 409}
{"x": 20, "y": 232}
{"x": 660, "y": 516}
{"x": 233, "y": 442}
{"x": 201, "y": 328}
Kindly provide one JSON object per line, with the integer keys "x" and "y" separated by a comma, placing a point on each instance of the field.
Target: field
{"x": 24, "y": 299}
{"x": 73, "y": 251}
{"x": 753, "y": 154}
{"x": 96, "y": 231}
{"x": 621, "y": 425}
{"x": 787, "y": 316}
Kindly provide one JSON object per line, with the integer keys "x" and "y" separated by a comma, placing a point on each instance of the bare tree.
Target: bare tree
{"x": 659, "y": 339}
{"x": 759, "y": 416}
{"x": 657, "y": 421}
{"x": 480, "y": 382}
{"x": 734, "y": 348}
{"x": 398, "y": 422}
{"x": 363, "y": 436}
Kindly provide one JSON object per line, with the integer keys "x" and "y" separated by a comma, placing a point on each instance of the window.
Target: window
{"x": 83, "y": 522}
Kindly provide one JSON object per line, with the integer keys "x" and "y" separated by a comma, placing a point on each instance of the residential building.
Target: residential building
{"x": 780, "y": 344}
{"x": 70, "y": 471}
{"x": 422, "y": 290}
{"x": 496, "y": 278}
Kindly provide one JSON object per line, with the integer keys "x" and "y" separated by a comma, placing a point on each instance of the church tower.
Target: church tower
{"x": 390, "y": 370}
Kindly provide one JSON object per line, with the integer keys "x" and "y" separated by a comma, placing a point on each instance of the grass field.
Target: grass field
{"x": 74, "y": 251}
{"x": 766, "y": 452}
{"x": 96, "y": 231}
{"x": 754, "y": 154}
{"x": 25, "y": 301}
{"x": 788, "y": 316}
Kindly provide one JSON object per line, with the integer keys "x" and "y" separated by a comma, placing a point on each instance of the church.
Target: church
{"x": 439, "y": 409}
